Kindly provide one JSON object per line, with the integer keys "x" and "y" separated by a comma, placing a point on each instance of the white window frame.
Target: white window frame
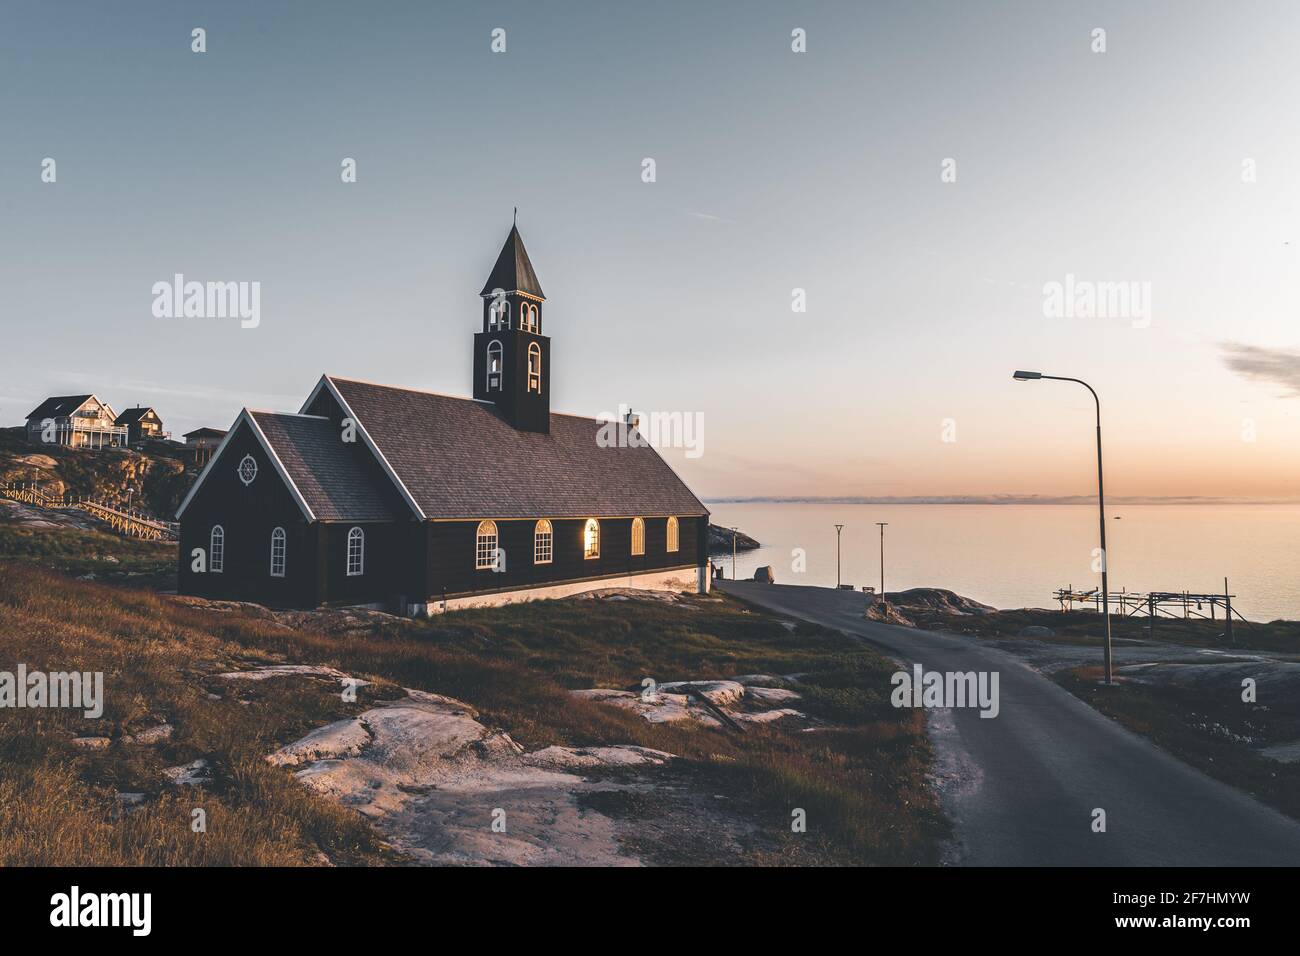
{"x": 485, "y": 545}
{"x": 217, "y": 549}
{"x": 357, "y": 567}
{"x": 534, "y": 377}
{"x": 279, "y": 554}
{"x": 543, "y": 542}
{"x": 500, "y": 373}
{"x": 674, "y": 536}
{"x": 591, "y": 540}
{"x": 638, "y": 536}
{"x": 252, "y": 462}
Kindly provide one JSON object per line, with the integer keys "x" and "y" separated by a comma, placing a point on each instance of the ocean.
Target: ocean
{"x": 1017, "y": 555}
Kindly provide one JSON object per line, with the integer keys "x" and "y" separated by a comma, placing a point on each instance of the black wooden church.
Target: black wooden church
{"x": 417, "y": 502}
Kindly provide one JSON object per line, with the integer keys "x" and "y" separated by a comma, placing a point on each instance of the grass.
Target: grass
{"x": 78, "y": 551}
{"x": 863, "y": 785}
{"x": 58, "y": 802}
{"x": 1216, "y": 735}
{"x": 1086, "y": 628}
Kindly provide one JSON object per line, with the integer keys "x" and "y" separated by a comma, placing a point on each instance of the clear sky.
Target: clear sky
{"x": 775, "y": 170}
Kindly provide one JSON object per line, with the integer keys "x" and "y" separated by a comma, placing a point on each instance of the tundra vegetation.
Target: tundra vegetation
{"x": 95, "y": 792}
{"x": 1180, "y": 686}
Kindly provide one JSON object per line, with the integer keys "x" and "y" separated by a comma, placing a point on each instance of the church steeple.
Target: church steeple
{"x": 513, "y": 271}
{"x": 511, "y": 356}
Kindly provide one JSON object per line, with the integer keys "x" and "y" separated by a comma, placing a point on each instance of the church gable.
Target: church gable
{"x": 244, "y": 470}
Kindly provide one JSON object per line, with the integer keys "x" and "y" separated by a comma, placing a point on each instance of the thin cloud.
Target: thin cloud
{"x": 1273, "y": 366}
{"x": 709, "y": 217}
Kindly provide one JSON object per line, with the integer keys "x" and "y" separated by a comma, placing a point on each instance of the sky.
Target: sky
{"x": 1169, "y": 163}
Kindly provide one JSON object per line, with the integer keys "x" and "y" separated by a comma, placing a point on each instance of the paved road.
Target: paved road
{"x": 1020, "y": 788}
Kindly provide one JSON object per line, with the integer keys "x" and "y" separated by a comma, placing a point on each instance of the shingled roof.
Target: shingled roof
{"x": 459, "y": 458}
{"x": 132, "y": 415}
{"x": 326, "y": 471}
{"x": 513, "y": 271}
{"x": 58, "y": 405}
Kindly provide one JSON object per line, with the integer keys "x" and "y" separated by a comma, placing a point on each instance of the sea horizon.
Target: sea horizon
{"x": 1017, "y": 555}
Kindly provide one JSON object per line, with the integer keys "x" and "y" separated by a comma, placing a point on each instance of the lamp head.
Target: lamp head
{"x": 1020, "y": 376}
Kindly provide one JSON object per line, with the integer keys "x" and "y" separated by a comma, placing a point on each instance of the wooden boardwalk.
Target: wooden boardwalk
{"x": 126, "y": 523}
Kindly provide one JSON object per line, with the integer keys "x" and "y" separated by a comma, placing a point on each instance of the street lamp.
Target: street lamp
{"x": 838, "y": 529}
{"x": 1021, "y": 376}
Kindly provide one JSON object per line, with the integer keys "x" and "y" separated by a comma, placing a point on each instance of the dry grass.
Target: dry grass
{"x": 1087, "y": 628}
{"x": 863, "y": 786}
{"x": 1217, "y": 735}
{"x": 57, "y": 802}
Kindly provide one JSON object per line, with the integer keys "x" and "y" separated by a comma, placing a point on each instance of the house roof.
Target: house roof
{"x": 513, "y": 271}
{"x": 57, "y": 405}
{"x": 132, "y": 415}
{"x": 327, "y": 472}
{"x": 205, "y": 432}
{"x": 458, "y": 458}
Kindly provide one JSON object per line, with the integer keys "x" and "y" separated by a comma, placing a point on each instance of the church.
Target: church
{"x": 415, "y": 502}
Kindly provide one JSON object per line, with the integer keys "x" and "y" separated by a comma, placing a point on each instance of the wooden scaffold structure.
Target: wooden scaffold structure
{"x": 1155, "y": 604}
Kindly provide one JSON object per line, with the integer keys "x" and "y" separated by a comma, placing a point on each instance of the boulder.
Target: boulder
{"x": 193, "y": 774}
{"x": 1035, "y": 630}
{"x": 771, "y": 695}
{"x": 720, "y": 693}
{"x": 764, "y": 574}
{"x": 150, "y": 735}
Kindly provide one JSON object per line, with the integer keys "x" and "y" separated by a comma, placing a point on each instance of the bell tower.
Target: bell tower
{"x": 512, "y": 359}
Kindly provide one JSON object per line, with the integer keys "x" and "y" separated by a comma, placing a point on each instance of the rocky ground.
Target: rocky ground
{"x": 720, "y": 540}
{"x": 444, "y": 788}
{"x": 152, "y": 481}
{"x": 23, "y": 515}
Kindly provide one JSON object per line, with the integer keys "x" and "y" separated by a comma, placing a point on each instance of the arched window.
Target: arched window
{"x": 356, "y": 552}
{"x": 277, "y": 553}
{"x": 543, "y": 543}
{"x": 528, "y": 318}
{"x": 499, "y": 314}
{"x": 485, "y": 546}
{"x": 638, "y": 536}
{"x": 672, "y": 532}
{"x": 217, "y": 549}
{"x": 494, "y": 365}
{"x": 591, "y": 539}
{"x": 534, "y": 367}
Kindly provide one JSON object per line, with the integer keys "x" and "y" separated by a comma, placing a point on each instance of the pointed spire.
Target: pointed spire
{"x": 513, "y": 271}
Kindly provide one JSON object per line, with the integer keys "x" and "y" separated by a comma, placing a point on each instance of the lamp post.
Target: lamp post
{"x": 838, "y": 529}
{"x": 1020, "y": 376}
{"x": 733, "y": 553}
{"x": 882, "y": 558}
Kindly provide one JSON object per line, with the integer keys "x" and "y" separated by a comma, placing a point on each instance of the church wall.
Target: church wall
{"x": 248, "y": 514}
{"x": 452, "y": 548}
